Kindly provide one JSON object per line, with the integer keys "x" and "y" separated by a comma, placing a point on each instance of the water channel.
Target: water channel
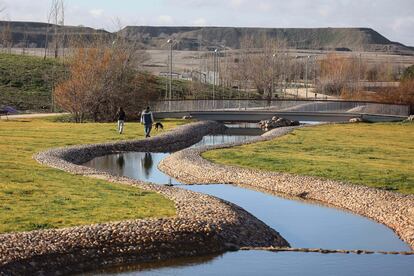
{"x": 302, "y": 224}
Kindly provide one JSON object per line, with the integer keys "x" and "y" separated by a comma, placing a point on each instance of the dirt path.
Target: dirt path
{"x": 33, "y": 115}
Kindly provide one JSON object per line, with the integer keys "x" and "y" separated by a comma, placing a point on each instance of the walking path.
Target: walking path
{"x": 29, "y": 116}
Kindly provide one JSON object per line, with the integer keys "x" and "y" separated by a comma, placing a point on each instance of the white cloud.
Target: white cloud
{"x": 236, "y": 3}
{"x": 324, "y": 11}
{"x": 393, "y": 19}
{"x": 165, "y": 20}
{"x": 403, "y": 23}
{"x": 264, "y": 7}
{"x": 200, "y": 22}
{"x": 96, "y": 13}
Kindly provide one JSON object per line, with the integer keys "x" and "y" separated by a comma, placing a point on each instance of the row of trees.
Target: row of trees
{"x": 269, "y": 71}
{"x": 105, "y": 75}
{"x": 256, "y": 71}
{"x": 402, "y": 94}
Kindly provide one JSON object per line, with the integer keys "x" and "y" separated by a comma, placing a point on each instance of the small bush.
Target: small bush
{"x": 408, "y": 73}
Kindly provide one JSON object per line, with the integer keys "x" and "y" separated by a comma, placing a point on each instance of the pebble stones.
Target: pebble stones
{"x": 387, "y": 207}
{"x": 203, "y": 224}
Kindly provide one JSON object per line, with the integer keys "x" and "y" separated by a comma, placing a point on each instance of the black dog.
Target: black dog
{"x": 158, "y": 126}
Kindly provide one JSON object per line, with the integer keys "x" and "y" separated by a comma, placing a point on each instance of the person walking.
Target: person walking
{"x": 120, "y": 115}
{"x": 147, "y": 119}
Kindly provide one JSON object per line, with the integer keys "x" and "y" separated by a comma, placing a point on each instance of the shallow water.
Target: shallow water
{"x": 144, "y": 165}
{"x": 302, "y": 224}
{"x": 327, "y": 228}
{"x": 270, "y": 263}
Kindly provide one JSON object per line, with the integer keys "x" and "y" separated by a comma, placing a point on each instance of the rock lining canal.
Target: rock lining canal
{"x": 301, "y": 223}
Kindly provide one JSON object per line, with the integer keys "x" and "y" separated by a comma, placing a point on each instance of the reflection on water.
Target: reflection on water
{"x": 328, "y": 228}
{"x": 137, "y": 165}
{"x": 147, "y": 163}
{"x": 282, "y": 263}
{"x": 302, "y": 224}
{"x": 143, "y": 165}
{"x": 172, "y": 263}
{"x": 120, "y": 161}
{"x": 242, "y": 125}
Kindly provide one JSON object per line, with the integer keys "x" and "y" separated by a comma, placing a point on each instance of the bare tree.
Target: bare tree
{"x": 104, "y": 75}
{"x": 339, "y": 73}
{"x": 6, "y": 37}
{"x": 24, "y": 40}
{"x": 270, "y": 67}
{"x": 55, "y": 18}
{"x": 262, "y": 69}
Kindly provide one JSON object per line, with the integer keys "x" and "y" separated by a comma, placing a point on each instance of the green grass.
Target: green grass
{"x": 33, "y": 196}
{"x": 26, "y": 81}
{"x": 376, "y": 155}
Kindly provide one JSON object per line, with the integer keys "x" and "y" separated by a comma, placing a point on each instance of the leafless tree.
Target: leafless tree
{"x": 339, "y": 73}
{"x": 262, "y": 69}
{"x": 24, "y": 40}
{"x": 105, "y": 74}
{"x": 55, "y": 18}
{"x": 6, "y": 37}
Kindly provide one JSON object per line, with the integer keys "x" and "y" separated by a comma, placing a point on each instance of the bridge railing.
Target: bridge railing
{"x": 282, "y": 106}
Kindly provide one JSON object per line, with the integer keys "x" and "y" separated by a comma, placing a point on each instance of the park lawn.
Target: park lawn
{"x": 379, "y": 155}
{"x": 33, "y": 196}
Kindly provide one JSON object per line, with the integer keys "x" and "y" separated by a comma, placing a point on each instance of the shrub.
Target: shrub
{"x": 101, "y": 79}
{"x": 408, "y": 73}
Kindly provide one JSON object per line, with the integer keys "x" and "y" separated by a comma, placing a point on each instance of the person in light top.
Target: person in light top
{"x": 147, "y": 119}
{"x": 120, "y": 115}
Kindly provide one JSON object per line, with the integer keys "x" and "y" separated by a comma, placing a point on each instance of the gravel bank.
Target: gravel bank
{"x": 203, "y": 224}
{"x": 392, "y": 209}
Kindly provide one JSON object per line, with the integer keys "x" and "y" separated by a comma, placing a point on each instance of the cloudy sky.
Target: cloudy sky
{"x": 392, "y": 18}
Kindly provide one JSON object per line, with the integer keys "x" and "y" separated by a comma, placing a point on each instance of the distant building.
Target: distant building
{"x": 210, "y": 76}
{"x": 167, "y": 75}
{"x": 187, "y": 76}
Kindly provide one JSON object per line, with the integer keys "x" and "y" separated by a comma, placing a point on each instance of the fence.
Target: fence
{"x": 282, "y": 106}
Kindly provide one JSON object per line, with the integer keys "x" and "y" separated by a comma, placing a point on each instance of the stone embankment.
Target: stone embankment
{"x": 327, "y": 251}
{"x": 392, "y": 209}
{"x": 277, "y": 122}
{"x": 202, "y": 225}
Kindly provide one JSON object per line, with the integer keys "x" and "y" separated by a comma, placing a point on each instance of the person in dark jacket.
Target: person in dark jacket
{"x": 120, "y": 115}
{"x": 147, "y": 119}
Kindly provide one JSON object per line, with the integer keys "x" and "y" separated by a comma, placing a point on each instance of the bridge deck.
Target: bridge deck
{"x": 256, "y": 116}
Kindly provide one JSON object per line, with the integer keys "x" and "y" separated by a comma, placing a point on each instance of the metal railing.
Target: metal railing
{"x": 282, "y": 106}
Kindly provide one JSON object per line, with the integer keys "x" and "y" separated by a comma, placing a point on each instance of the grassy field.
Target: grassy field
{"x": 376, "y": 155}
{"x": 26, "y": 81}
{"x": 33, "y": 196}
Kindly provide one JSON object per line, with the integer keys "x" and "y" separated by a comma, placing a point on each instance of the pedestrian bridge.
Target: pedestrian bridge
{"x": 301, "y": 110}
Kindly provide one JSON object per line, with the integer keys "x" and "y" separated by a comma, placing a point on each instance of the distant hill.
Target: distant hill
{"x": 33, "y": 34}
{"x": 192, "y": 38}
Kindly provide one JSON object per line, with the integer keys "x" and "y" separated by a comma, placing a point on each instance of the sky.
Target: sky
{"x": 392, "y": 18}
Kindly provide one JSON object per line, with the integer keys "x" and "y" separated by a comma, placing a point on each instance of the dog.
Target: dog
{"x": 158, "y": 126}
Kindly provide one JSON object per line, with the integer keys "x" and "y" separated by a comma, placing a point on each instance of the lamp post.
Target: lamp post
{"x": 214, "y": 73}
{"x": 273, "y": 76}
{"x": 306, "y": 76}
{"x": 170, "y": 41}
{"x": 285, "y": 73}
{"x": 359, "y": 70}
{"x": 297, "y": 78}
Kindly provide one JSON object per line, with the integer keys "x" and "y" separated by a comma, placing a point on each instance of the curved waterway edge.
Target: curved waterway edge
{"x": 302, "y": 222}
{"x": 203, "y": 224}
{"x": 391, "y": 209}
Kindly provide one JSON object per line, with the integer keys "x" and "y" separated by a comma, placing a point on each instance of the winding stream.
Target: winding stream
{"x": 302, "y": 224}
